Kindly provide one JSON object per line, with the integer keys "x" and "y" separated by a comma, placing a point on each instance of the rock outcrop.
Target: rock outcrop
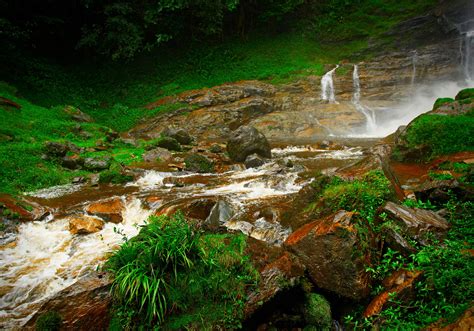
{"x": 81, "y": 224}
{"x": 246, "y": 141}
{"x": 332, "y": 251}
{"x": 109, "y": 210}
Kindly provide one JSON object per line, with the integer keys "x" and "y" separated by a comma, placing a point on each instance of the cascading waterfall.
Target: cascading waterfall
{"x": 467, "y": 62}
{"x": 327, "y": 86}
{"x": 414, "y": 61}
{"x": 368, "y": 113}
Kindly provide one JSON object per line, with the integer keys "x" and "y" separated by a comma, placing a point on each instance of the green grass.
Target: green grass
{"x": 172, "y": 276}
{"x": 442, "y": 135}
{"x": 25, "y": 131}
{"x": 364, "y": 195}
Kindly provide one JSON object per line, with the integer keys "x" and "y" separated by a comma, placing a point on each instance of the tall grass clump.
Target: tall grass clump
{"x": 172, "y": 276}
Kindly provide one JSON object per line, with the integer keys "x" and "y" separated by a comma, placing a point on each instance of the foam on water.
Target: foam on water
{"x": 47, "y": 258}
{"x": 55, "y": 191}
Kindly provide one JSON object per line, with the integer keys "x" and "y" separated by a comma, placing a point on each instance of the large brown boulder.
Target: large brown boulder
{"x": 82, "y": 306}
{"x": 334, "y": 254}
{"x": 82, "y": 224}
{"x": 246, "y": 141}
{"x": 109, "y": 210}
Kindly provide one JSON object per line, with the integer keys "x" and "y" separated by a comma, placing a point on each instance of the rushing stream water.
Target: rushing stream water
{"x": 44, "y": 257}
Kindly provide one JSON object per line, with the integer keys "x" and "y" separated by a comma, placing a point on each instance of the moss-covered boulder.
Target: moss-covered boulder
{"x": 317, "y": 312}
{"x": 441, "y": 102}
{"x": 169, "y": 143}
{"x": 465, "y": 94}
{"x": 198, "y": 163}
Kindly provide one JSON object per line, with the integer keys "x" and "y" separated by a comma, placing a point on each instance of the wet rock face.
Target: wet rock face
{"x": 254, "y": 161}
{"x": 246, "y": 141}
{"x": 330, "y": 249}
{"x": 82, "y": 306}
{"x": 81, "y": 224}
{"x": 416, "y": 223}
{"x": 278, "y": 270}
{"x": 109, "y": 210}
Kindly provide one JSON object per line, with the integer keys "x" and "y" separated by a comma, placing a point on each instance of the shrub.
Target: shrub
{"x": 173, "y": 276}
{"x": 363, "y": 196}
{"x": 50, "y": 321}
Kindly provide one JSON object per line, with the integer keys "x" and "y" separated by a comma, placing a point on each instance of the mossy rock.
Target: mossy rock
{"x": 198, "y": 163}
{"x": 169, "y": 143}
{"x": 50, "y": 321}
{"x": 114, "y": 177}
{"x": 317, "y": 312}
{"x": 466, "y": 93}
{"x": 441, "y": 102}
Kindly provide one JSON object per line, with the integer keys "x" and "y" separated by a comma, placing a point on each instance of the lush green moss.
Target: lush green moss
{"x": 364, "y": 195}
{"x": 172, "y": 276}
{"x": 317, "y": 312}
{"x": 198, "y": 163}
{"x": 442, "y": 101}
{"x": 465, "y": 94}
{"x": 441, "y": 135}
{"x": 50, "y": 321}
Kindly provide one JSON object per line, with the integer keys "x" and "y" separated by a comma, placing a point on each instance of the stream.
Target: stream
{"x": 43, "y": 258}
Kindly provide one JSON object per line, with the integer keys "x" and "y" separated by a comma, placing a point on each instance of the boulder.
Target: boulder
{"x": 72, "y": 162}
{"x": 169, "y": 143}
{"x": 196, "y": 209}
{"x": 198, "y": 163}
{"x": 216, "y": 148}
{"x": 440, "y": 191}
{"x": 157, "y": 155}
{"x": 246, "y": 141}
{"x": 77, "y": 115}
{"x": 220, "y": 214}
{"x": 334, "y": 254}
{"x": 276, "y": 276}
{"x": 400, "y": 284}
{"x": 82, "y": 306}
{"x": 109, "y": 210}
{"x": 58, "y": 149}
{"x": 97, "y": 164}
{"x": 181, "y": 135}
{"x": 82, "y": 224}
{"x": 254, "y": 161}
{"x": 415, "y": 223}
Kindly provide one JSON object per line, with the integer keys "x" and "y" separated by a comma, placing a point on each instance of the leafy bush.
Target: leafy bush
{"x": 445, "y": 291}
{"x": 50, "y": 321}
{"x": 364, "y": 195}
{"x": 173, "y": 276}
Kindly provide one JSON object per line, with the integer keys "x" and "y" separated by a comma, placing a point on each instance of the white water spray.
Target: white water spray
{"x": 371, "y": 124}
{"x": 414, "y": 61}
{"x": 467, "y": 61}
{"x": 327, "y": 86}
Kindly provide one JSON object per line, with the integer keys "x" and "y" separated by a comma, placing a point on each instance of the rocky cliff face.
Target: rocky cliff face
{"x": 420, "y": 51}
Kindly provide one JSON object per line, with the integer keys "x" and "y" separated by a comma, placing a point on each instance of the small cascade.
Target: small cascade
{"x": 327, "y": 86}
{"x": 368, "y": 113}
{"x": 467, "y": 61}
{"x": 414, "y": 61}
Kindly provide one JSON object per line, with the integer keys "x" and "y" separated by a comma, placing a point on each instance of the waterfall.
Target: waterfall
{"x": 327, "y": 86}
{"x": 414, "y": 61}
{"x": 368, "y": 113}
{"x": 467, "y": 62}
